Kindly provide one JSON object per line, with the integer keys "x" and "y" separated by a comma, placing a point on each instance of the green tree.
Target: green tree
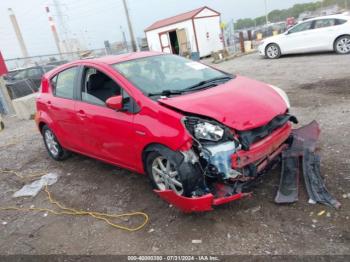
{"x": 294, "y": 11}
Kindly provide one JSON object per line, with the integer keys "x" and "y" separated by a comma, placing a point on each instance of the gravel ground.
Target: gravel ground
{"x": 319, "y": 88}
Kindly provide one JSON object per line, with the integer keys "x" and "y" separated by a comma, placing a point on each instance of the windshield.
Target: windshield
{"x": 166, "y": 73}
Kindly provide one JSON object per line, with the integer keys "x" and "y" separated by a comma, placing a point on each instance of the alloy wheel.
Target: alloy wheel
{"x": 343, "y": 45}
{"x": 51, "y": 143}
{"x": 166, "y": 176}
{"x": 272, "y": 51}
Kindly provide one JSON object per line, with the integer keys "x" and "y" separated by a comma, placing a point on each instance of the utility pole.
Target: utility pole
{"x": 131, "y": 31}
{"x": 54, "y": 31}
{"x": 266, "y": 13}
{"x": 62, "y": 25}
{"x": 18, "y": 33}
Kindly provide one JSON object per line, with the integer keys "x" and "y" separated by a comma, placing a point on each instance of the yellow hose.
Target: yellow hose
{"x": 70, "y": 211}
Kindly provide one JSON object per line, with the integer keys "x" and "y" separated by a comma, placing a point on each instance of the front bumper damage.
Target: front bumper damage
{"x": 282, "y": 145}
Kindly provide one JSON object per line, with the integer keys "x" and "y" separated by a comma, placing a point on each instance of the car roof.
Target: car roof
{"x": 109, "y": 60}
{"x": 114, "y": 59}
{"x": 335, "y": 16}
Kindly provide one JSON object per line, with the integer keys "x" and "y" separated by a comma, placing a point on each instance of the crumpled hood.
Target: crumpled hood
{"x": 241, "y": 103}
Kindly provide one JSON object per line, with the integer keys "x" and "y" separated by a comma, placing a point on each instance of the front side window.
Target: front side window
{"x": 98, "y": 87}
{"x": 324, "y": 23}
{"x": 301, "y": 27}
{"x": 64, "y": 82}
{"x": 156, "y": 74}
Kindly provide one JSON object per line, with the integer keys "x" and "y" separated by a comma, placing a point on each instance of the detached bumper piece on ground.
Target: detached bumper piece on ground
{"x": 301, "y": 155}
{"x": 297, "y": 152}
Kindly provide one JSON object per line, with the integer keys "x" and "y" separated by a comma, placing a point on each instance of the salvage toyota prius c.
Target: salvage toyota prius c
{"x": 201, "y": 135}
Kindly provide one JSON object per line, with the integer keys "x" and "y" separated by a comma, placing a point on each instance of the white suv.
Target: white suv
{"x": 324, "y": 33}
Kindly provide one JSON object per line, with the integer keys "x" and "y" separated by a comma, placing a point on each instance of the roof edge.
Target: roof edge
{"x": 150, "y": 28}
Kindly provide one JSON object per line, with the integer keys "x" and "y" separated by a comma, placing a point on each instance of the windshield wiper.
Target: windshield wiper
{"x": 200, "y": 85}
{"x": 208, "y": 83}
{"x": 167, "y": 93}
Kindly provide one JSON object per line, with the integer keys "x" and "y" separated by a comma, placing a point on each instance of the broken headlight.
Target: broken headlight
{"x": 204, "y": 130}
{"x": 208, "y": 131}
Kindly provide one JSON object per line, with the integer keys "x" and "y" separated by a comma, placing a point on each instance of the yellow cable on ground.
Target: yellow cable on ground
{"x": 5, "y": 171}
{"x": 70, "y": 211}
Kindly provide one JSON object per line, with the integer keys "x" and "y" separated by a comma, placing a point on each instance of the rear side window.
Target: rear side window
{"x": 324, "y": 23}
{"x": 63, "y": 83}
{"x": 34, "y": 72}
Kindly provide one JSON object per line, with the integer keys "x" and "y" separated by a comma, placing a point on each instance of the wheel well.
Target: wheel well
{"x": 148, "y": 149}
{"x": 41, "y": 125}
{"x": 162, "y": 149}
{"x": 338, "y": 38}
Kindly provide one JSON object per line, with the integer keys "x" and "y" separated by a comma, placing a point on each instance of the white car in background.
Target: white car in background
{"x": 324, "y": 33}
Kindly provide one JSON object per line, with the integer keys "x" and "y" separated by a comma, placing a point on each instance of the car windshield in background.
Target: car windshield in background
{"x": 169, "y": 74}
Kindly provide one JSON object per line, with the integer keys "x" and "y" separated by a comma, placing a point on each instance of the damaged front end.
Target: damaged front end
{"x": 228, "y": 161}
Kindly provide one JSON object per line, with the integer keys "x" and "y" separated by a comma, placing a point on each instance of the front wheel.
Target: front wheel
{"x": 273, "y": 51}
{"x": 55, "y": 150}
{"x": 164, "y": 173}
{"x": 342, "y": 45}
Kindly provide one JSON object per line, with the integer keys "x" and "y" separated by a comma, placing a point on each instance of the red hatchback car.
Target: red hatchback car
{"x": 200, "y": 134}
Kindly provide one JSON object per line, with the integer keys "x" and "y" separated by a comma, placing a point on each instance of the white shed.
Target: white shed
{"x": 194, "y": 31}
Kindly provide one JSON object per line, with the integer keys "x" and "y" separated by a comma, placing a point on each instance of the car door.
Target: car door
{"x": 105, "y": 133}
{"x": 61, "y": 107}
{"x": 325, "y": 31}
{"x": 297, "y": 39}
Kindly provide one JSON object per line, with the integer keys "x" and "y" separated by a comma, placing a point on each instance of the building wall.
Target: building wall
{"x": 153, "y": 35}
{"x": 208, "y": 35}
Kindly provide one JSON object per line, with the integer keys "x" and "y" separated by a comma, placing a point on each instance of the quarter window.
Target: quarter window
{"x": 64, "y": 83}
{"x": 340, "y": 21}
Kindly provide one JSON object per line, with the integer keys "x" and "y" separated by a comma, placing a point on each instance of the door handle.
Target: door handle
{"x": 81, "y": 114}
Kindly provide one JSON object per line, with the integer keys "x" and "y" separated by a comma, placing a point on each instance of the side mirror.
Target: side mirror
{"x": 115, "y": 102}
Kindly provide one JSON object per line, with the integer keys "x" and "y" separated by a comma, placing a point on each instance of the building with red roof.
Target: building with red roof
{"x": 194, "y": 31}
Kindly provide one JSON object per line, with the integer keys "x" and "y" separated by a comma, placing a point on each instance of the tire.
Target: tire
{"x": 342, "y": 45}
{"x": 183, "y": 178}
{"x": 273, "y": 51}
{"x": 53, "y": 147}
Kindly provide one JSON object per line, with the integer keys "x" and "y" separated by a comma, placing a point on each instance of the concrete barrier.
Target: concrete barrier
{"x": 248, "y": 46}
{"x": 25, "y": 107}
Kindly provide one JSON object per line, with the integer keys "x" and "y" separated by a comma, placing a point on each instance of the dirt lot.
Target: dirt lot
{"x": 319, "y": 88}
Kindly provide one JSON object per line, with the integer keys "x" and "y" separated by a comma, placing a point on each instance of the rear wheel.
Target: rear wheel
{"x": 273, "y": 51}
{"x": 342, "y": 45}
{"x": 55, "y": 150}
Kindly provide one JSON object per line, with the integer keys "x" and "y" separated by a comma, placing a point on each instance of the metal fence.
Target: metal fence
{"x": 18, "y": 63}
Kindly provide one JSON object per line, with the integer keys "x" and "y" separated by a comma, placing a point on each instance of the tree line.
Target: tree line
{"x": 282, "y": 15}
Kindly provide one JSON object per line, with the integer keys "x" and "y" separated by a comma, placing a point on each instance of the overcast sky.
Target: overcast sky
{"x": 94, "y": 21}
